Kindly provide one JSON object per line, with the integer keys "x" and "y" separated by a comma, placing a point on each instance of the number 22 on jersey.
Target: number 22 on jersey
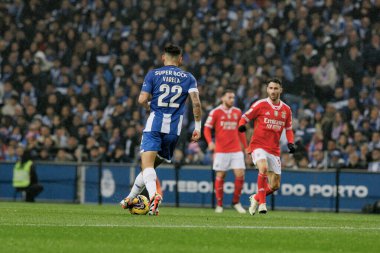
{"x": 176, "y": 89}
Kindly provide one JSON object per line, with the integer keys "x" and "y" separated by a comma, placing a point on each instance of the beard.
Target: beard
{"x": 274, "y": 96}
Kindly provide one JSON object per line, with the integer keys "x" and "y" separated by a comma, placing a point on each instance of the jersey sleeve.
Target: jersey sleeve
{"x": 211, "y": 119}
{"x": 242, "y": 137}
{"x": 252, "y": 113}
{"x": 148, "y": 83}
{"x": 288, "y": 123}
{"x": 207, "y": 134}
{"x": 288, "y": 128}
{"x": 193, "y": 87}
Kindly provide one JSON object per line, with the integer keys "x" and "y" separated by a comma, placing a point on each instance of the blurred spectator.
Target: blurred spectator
{"x": 374, "y": 165}
{"x": 354, "y": 162}
{"x": 317, "y": 160}
{"x": 131, "y": 142}
{"x": 118, "y": 155}
{"x": 63, "y": 156}
{"x": 12, "y": 106}
{"x": 288, "y": 162}
{"x": 194, "y": 154}
{"x": 325, "y": 78}
{"x": 335, "y": 160}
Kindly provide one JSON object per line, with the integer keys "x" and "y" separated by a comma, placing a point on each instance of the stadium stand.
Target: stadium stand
{"x": 71, "y": 71}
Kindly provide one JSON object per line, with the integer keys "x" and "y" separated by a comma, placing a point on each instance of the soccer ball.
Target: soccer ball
{"x": 140, "y": 205}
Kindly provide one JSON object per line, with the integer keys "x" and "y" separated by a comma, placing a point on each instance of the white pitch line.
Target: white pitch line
{"x": 189, "y": 226}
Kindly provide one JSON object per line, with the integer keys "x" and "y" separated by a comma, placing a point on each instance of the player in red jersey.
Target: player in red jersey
{"x": 270, "y": 117}
{"x": 224, "y": 120}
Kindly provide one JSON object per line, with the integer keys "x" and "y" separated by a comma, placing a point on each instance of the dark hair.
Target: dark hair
{"x": 273, "y": 80}
{"x": 26, "y": 156}
{"x": 227, "y": 90}
{"x": 173, "y": 50}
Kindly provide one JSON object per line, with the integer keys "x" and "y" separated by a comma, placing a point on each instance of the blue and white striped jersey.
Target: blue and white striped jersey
{"x": 169, "y": 87}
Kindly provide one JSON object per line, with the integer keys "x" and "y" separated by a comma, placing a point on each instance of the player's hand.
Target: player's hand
{"x": 211, "y": 146}
{"x": 242, "y": 128}
{"x": 196, "y": 135}
{"x": 292, "y": 148}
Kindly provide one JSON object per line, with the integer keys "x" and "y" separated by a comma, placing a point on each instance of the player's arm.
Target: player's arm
{"x": 248, "y": 116}
{"x": 146, "y": 91}
{"x": 197, "y": 112}
{"x": 144, "y": 99}
{"x": 290, "y": 134}
{"x": 242, "y": 137}
{"x": 207, "y": 130}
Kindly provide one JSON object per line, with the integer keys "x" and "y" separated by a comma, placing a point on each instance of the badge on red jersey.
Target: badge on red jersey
{"x": 283, "y": 114}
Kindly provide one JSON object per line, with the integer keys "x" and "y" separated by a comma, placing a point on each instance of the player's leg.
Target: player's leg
{"x": 150, "y": 145}
{"x": 274, "y": 174}
{"x": 219, "y": 185}
{"x": 221, "y": 165}
{"x": 238, "y": 167}
{"x": 239, "y": 182}
{"x": 150, "y": 178}
{"x": 259, "y": 158}
{"x": 139, "y": 187}
{"x": 262, "y": 181}
{"x": 165, "y": 153}
{"x": 157, "y": 198}
{"x": 157, "y": 163}
{"x": 148, "y": 172}
{"x": 274, "y": 181}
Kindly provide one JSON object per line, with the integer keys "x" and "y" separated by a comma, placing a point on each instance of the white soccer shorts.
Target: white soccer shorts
{"x": 227, "y": 161}
{"x": 274, "y": 162}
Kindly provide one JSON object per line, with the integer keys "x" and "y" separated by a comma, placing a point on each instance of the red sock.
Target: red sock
{"x": 239, "y": 182}
{"x": 219, "y": 183}
{"x": 261, "y": 183}
{"x": 268, "y": 191}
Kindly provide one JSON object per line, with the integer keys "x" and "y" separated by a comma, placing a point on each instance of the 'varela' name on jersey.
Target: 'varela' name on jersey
{"x": 169, "y": 87}
{"x": 170, "y": 79}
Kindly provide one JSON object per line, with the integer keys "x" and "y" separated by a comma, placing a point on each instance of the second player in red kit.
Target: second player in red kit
{"x": 228, "y": 146}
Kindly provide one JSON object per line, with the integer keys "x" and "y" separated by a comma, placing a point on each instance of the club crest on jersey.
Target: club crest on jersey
{"x": 275, "y": 113}
{"x": 283, "y": 114}
{"x": 235, "y": 116}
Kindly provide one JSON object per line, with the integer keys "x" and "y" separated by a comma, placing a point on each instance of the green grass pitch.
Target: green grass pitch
{"x": 92, "y": 228}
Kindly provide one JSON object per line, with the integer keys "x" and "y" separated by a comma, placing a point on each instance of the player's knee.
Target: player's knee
{"x": 220, "y": 175}
{"x": 239, "y": 173}
{"x": 263, "y": 170}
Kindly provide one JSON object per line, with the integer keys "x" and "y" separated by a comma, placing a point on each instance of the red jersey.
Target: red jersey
{"x": 269, "y": 122}
{"x": 225, "y": 122}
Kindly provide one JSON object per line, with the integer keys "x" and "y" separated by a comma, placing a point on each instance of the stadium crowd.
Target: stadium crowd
{"x": 71, "y": 72}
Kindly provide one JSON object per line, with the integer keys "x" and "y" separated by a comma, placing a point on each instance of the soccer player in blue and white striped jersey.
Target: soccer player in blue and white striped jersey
{"x": 163, "y": 94}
